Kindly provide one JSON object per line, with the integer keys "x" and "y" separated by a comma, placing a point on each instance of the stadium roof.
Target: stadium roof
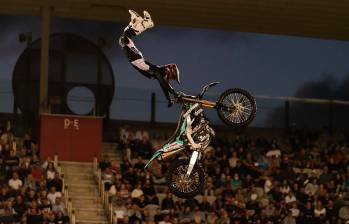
{"x": 309, "y": 18}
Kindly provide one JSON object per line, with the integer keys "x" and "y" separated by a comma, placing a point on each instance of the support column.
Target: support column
{"x": 331, "y": 117}
{"x": 153, "y": 108}
{"x": 287, "y": 114}
{"x": 44, "y": 58}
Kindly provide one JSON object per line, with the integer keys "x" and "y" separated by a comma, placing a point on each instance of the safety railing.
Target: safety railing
{"x": 69, "y": 205}
{"x": 65, "y": 191}
{"x": 105, "y": 197}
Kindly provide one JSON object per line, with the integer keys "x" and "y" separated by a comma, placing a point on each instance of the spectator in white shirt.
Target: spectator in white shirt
{"x": 137, "y": 192}
{"x": 319, "y": 211}
{"x": 274, "y": 155}
{"x": 141, "y": 133}
{"x": 344, "y": 211}
{"x": 15, "y": 183}
{"x": 290, "y": 198}
{"x": 274, "y": 152}
{"x": 289, "y": 219}
{"x": 124, "y": 133}
{"x": 59, "y": 206}
{"x": 120, "y": 211}
{"x": 50, "y": 171}
{"x": 312, "y": 187}
{"x": 285, "y": 188}
{"x": 295, "y": 211}
{"x": 44, "y": 165}
{"x": 166, "y": 220}
{"x": 233, "y": 160}
{"x": 53, "y": 194}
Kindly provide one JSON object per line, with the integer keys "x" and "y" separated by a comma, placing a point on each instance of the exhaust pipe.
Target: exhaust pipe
{"x": 166, "y": 155}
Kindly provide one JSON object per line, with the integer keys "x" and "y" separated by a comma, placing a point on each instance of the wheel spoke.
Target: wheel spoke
{"x": 238, "y": 107}
{"x": 183, "y": 184}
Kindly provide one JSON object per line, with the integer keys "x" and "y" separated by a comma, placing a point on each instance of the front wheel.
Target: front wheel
{"x": 236, "y": 107}
{"x": 179, "y": 184}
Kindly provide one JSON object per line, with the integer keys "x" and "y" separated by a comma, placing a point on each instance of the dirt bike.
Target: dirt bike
{"x": 185, "y": 176}
{"x": 235, "y": 107}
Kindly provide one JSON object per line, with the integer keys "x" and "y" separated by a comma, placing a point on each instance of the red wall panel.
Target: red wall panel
{"x": 73, "y": 138}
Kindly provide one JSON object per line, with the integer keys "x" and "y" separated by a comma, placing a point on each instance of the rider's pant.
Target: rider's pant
{"x": 137, "y": 60}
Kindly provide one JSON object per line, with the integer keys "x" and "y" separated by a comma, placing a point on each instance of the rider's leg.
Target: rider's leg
{"x": 136, "y": 26}
{"x": 135, "y": 56}
{"x": 137, "y": 60}
{"x": 148, "y": 69}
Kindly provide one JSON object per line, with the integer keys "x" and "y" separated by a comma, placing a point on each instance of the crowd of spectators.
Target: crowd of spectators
{"x": 299, "y": 178}
{"x": 30, "y": 190}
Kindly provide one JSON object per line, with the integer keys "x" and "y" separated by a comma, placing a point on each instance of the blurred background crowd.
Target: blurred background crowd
{"x": 302, "y": 177}
{"x": 31, "y": 189}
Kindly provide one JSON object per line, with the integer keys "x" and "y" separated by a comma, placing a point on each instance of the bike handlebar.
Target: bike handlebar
{"x": 200, "y": 95}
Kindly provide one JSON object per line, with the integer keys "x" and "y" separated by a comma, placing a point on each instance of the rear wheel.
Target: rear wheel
{"x": 182, "y": 186}
{"x": 236, "y": 107}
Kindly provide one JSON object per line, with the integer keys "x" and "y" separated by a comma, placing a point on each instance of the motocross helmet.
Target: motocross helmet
{"x": 172, "y": 72}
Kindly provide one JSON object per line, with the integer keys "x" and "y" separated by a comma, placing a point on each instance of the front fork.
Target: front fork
{"x": 193, "y": 159}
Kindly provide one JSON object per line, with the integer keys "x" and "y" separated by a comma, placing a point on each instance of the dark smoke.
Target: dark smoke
{"x": 317, "y": 115}
{"x": 326, "y": 88}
